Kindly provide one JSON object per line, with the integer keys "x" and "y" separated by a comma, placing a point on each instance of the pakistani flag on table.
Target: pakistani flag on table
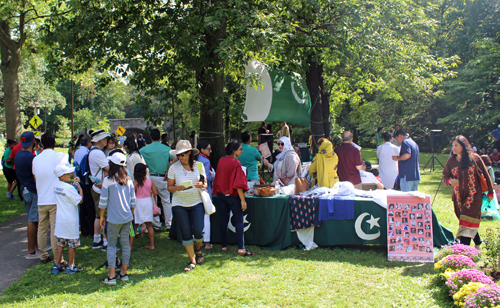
{"x": 283, "y": 97}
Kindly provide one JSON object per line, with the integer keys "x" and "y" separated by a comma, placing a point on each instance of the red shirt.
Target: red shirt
{"x": 229, "y": 177}
{"x": 349, "y": 158}
{"x": 495, "y": 157}
{"x": 16, "y": 149}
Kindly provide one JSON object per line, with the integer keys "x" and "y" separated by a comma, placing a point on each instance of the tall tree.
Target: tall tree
{"x": 18, "y": 19}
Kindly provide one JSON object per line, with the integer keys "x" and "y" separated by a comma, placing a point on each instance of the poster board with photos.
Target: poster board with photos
{"x": 409, "y": 229}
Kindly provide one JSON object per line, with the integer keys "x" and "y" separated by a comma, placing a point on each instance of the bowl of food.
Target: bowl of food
{"x": 264, "y": 190}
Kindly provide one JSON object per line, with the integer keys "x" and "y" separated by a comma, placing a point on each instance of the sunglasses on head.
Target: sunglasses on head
{"x": 281, "y": 143}
{"x": 182, "y": 154}
{"x": 209, "y": 149}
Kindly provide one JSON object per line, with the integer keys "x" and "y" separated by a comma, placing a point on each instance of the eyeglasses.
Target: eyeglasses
{"x": 209, "y": 149}
{"x": 280, "y": 143}
{"x": 182, "y": 154}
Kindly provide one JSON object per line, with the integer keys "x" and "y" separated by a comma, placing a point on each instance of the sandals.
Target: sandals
{"x": 246, "y": 253}
{"x": 198, "y": 256}
{"x": 191, "y": 266}
{"x": 224, "y": 249}
{"x": 208, "y": 246}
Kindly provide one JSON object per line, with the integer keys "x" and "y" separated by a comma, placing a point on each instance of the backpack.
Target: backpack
{"x": 83, "y": 170}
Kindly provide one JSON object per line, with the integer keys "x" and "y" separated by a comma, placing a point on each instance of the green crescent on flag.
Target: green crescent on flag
{"x": 283, "y": 97}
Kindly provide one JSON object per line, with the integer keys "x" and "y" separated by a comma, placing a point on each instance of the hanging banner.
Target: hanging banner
{"x": 409, "y": 229}
{"x": 283, "y": 97}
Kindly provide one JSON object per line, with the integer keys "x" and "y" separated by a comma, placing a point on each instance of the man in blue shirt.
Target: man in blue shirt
{"x": 24, "y": 169}
{"x": 496, "y": 136}
{"x": 158, "y": 157}
{"x": 408, "y": 162}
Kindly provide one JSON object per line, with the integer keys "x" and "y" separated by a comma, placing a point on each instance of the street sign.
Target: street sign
{"x": 36, "y": 133}
{"x": 120, "y": 130}
{"x": 36, "y": 121}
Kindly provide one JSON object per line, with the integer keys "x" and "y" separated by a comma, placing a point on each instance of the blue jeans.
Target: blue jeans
{"x": 233, "y": 204}
{"x": 408, "y": 185}
{"x": 191, "y": 222}
{"x": 112, "y": 231}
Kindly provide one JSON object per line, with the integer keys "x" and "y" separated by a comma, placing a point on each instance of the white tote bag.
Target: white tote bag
{"x": 205, "y": 197}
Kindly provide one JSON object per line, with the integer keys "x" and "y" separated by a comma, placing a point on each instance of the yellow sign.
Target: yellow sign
{"x": 120, "y": 130}
{"x": 36, "y": 133}
{"x": 36, "y": 121}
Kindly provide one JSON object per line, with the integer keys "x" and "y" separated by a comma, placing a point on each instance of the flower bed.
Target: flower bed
{"x": 460, "y": 249}
{"x": 463, "y": 277}
{"x": 461, "y": 295}
{"x": 485, "y": 297}
{"x": 454, "y": 262}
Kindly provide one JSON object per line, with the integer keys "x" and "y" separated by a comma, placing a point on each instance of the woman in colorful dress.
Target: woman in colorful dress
{"x": 287, "y": 166}
{"x": 324, "y": 165}
{"x": 461, "y": 172}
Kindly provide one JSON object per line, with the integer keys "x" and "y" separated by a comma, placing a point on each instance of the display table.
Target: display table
{"x": 267, "y": 224}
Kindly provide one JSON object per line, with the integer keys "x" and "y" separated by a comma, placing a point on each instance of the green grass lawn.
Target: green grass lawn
{"x": 325, "y": 277}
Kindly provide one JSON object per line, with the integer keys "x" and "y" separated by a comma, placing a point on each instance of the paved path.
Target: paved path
{"x": 14, "y": 248}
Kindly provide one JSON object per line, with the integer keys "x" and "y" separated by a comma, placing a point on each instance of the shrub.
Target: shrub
{"x": 454, "y": 262}
{"x": 485, "y": 297}
{"x": 459, "y": 249}
{"x": 492, "y": 245}
{"x": 463, "y": 277}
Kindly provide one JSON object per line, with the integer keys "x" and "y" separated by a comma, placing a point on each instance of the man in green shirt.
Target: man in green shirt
{"x": 250, "y": 158}
{"x": 157, "y": 157}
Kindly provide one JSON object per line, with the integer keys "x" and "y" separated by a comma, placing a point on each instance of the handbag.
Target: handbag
{"x": 205, "y": 197}
{"x": 301, "y": 185}
{"x": 482, "y": 179}
{"x": 156, "y": 209}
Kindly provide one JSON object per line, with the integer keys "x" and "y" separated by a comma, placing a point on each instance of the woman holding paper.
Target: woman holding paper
{"x": 324, "y": 165}
{"x": 230, "y": 184}
{"x": 462, "y": 173}
{"x": 185, "y": 178}
{"x": 287, "y": 166}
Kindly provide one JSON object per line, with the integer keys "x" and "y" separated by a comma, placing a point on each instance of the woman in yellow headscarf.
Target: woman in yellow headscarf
{"x": 325, "y": 165}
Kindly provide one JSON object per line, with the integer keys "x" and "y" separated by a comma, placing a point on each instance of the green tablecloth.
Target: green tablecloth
{"x": 267, "y": 224}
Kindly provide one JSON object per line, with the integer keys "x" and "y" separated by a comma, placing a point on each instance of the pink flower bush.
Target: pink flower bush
{"x": 485, "y": 297}
{"x": 463, "y": 277}
{"x": 460, "y": 249}
{"x": 454, "y": 262}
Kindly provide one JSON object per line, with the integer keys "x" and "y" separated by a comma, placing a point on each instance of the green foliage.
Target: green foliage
{"x": 63, "y": 129}
{"x": 492, "y": 245}
{"x": 84, "y": 119}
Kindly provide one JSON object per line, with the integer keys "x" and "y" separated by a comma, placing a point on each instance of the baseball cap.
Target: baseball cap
{"x": 63, "y": 169}
{"x": 27, "y": 138}
{"x": 118, "y": 159}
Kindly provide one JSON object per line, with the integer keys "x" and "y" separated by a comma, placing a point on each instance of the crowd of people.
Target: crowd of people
{"x": 113, "y": 191}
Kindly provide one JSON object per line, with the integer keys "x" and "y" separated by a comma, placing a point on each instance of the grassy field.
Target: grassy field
{"x": 325, "y": 277}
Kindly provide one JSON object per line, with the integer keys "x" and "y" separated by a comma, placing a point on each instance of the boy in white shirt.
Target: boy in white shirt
{"x": 67, "y": 218}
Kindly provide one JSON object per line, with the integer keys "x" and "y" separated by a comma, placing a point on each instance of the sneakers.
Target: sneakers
{"x": 57, "y": 269}
{"x": 104, "y": 248}
{"x": 109, "y": 280}
{"x": 75, "y": 269}
{"x": 97, "y": 245}
{"x": 33, "y": 255}
{"x": 123, "y": 277}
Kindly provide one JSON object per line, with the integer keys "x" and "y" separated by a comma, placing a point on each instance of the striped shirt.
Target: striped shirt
{"x": 118, "y": 199}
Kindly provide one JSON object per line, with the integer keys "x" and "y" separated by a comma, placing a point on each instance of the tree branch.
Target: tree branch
{"x": 45, "y": 16}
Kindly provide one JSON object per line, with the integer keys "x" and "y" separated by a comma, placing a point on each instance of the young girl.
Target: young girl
{"x": 145, "y": 191}
{"x": 118, "y": 197}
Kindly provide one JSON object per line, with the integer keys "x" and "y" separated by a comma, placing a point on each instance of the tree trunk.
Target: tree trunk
{"x": 320, "y": 109}
{"x": 11, "y": 59}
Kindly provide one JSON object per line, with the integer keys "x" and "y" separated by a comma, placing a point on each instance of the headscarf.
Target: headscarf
{"x": 326, "y": 161}
{"x": 287, "y": 146}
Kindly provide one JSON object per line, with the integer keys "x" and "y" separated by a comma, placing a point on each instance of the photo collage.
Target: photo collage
{"x": 409, "y": 229}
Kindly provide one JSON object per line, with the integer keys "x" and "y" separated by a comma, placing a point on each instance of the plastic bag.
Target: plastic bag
{"x": 489, "y": 210}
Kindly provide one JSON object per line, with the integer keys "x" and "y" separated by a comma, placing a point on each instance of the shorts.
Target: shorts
{"x": 30, "y": 205}
{"x": 61, "y": 242}
{"x": 96, "y": 197}
{"x": 10, "y": 174}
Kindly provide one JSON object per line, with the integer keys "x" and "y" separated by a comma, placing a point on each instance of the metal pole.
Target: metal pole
{"x": 72, "y": 123}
